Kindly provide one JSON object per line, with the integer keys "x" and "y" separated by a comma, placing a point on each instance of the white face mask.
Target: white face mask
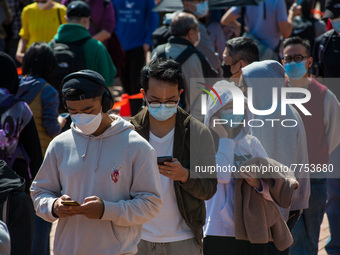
{"x": 87, "y": 123}
{"x": 43, "y": 5}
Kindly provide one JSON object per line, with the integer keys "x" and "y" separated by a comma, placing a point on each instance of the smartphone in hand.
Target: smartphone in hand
{"x": 70, "y": 203}
{"x": 161, "y": 160}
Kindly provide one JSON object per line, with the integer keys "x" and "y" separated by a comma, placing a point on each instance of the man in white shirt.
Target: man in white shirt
{"x": 178, "y": 229}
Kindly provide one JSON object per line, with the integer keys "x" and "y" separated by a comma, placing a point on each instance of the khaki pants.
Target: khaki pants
{"x": 189, "y": 246}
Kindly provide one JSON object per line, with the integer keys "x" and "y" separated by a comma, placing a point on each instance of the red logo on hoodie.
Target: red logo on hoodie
{"x": 115, "y": 174}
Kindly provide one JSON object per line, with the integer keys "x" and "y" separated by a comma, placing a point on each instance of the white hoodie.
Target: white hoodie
{"x": 220, "y": 208}
{"x": 120, "y": 167}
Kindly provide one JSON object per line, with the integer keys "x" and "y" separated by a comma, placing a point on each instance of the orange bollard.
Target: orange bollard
{"x": 125, "y": 109}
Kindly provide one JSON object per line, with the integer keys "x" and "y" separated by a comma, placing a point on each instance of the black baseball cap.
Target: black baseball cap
{"x": 332, "y": 9}
{"x": 82, "y": 85}
{"x": 78, "y": 9}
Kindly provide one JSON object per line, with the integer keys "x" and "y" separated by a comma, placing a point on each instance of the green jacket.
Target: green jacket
{"x": 200, "y": 186}
{"x": 96, "y": 56}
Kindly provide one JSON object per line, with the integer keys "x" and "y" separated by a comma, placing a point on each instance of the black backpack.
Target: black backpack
{"x": 70, "y": 58}
{"x": 160, "y": 36}
{"x": 208, "y": 71}
{"x": 8, "y": 103}
{"x": 304, "y": 28}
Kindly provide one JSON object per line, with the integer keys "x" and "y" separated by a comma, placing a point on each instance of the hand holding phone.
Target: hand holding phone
{"x": 70, "y": 203}
{"x": 161, "y": 160}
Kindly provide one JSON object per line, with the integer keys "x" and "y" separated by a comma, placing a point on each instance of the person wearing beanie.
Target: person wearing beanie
{"x": 107, "y": 169}
{"x": 78, "y": 16}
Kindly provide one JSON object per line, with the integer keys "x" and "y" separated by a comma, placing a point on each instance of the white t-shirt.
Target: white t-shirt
{"x": 168, "y": 225}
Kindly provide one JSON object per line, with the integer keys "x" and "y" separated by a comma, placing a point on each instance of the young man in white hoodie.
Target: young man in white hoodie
{"x": 103, "y": 164}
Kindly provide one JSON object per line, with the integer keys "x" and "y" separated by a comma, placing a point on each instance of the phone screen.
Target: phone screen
{"x": 161, "y": 160}
{"x": 70, "y": 203}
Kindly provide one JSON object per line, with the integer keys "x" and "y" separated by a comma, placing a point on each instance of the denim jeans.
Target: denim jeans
{"x": 333, "y": 206}
{"x": 307, "y": 229}
{"x": 41, "y": 237}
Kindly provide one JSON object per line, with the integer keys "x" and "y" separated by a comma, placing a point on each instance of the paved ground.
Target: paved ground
{"x": 324, "y": 235}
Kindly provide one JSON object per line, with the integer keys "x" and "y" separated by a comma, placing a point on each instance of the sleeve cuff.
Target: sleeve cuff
{"x": 264, "y": 191}
{"x": 111, "y": 211}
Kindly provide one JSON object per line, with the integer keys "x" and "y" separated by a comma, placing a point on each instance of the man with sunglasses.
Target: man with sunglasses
{"x": 179, "y": 227}
{"x": 322, "y": 138}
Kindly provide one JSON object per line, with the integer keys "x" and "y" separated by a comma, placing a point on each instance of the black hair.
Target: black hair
{"x": 163, "y": 70}
{"x": 243, "y": 48}
{"x": 298, "y": 40}
{"x": 8, "y": 73}
{"x": 39, "y": 60}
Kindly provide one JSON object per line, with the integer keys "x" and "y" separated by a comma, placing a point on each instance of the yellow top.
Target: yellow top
{"x": 41, "y": 25}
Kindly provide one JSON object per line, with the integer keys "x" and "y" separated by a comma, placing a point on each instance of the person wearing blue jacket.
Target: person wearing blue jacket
{"x": 35, "y": 90}
{"x": 134, "y": 26}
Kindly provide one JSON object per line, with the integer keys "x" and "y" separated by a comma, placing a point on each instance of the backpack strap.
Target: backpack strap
{"x": 161, "y": 51}
{"x": 58, "y": 11}
{"x": 8, "y": 103}
{"x": 185, "y": 54}
{"x": 243, "y": 13}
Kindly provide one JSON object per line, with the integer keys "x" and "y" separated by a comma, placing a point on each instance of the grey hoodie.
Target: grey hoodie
{"x": 118, "y": 166}
{"x": 287, "y": 145}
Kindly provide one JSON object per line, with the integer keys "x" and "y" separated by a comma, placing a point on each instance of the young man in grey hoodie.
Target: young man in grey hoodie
{"x": 103, "y": 164}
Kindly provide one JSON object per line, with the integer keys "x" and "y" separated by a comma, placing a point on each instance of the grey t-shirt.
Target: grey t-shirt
{"x": 262, "y": 20}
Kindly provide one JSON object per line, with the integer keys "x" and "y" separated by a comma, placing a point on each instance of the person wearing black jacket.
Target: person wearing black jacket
{"x": 16, "y": 210}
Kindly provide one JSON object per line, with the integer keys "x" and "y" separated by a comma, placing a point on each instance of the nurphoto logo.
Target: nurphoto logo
{"x": 239, "y": 104}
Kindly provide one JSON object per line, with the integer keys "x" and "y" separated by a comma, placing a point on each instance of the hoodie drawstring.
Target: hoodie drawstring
{"x": 99, "y": 151}
{"x": 87, "y": 144}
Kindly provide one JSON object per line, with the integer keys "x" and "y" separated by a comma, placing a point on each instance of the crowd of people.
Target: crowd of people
{"x": 214, "y": 94}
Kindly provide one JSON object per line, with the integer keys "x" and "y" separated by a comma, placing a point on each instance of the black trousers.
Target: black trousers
{"x": 292, "y": 219}
{"x": 223, "y": 245}
{"x": 135, "y": 60}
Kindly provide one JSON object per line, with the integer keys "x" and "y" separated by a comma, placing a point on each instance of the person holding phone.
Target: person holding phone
{"x": 104, "y": 165}
{"x": 175, "y": 135}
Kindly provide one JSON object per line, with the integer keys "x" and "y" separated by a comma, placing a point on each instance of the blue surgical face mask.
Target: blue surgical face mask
{"x": 202, "y": 9}
{"x": 233, "y": 120}
{"x": 162, "y": 113}
{"x": 336, "y": 25}
{"x": 296, "y": 71}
